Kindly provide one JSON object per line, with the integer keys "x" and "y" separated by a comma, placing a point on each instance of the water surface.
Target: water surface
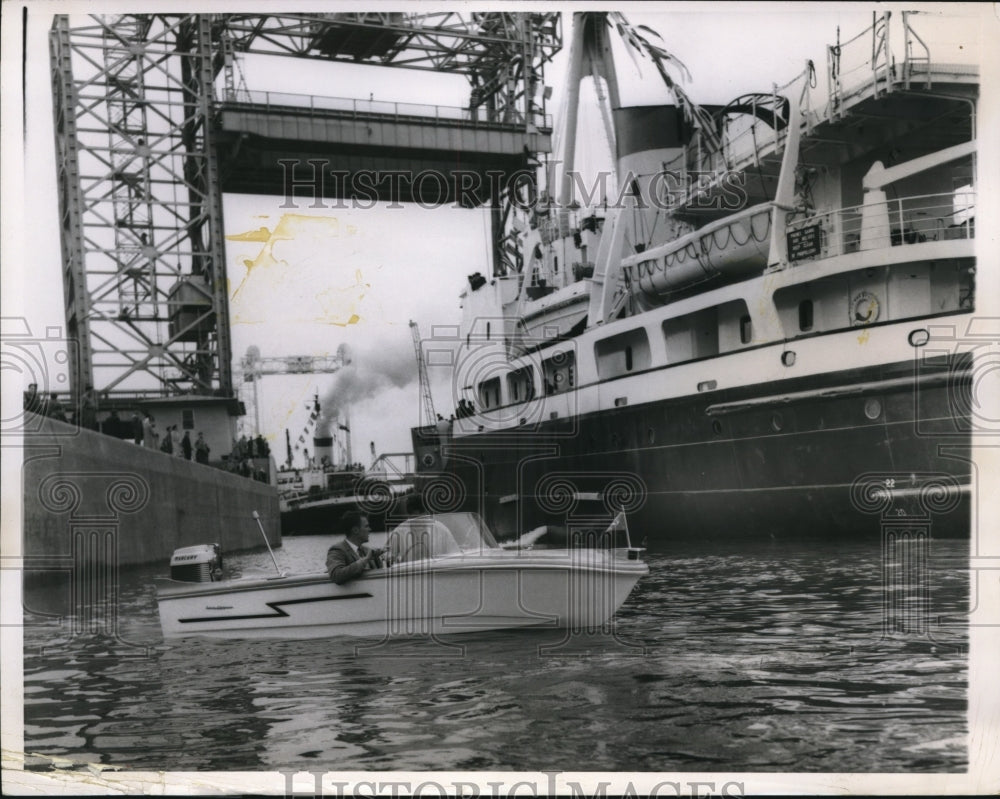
{"x": 769, "y": 657}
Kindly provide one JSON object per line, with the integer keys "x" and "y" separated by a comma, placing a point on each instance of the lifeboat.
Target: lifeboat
{"x": 732, "y": 248}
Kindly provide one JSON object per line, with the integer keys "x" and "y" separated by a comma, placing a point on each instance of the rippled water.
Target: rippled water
{"x": 752, "y": 658}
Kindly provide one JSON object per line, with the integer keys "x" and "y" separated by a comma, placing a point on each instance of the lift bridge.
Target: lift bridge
{"x": 153, "y": 124}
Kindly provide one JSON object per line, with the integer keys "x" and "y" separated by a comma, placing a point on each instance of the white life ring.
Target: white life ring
{"x": 864, "y": 309}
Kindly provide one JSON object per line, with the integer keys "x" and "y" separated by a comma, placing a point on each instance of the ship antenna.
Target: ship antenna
{"x": 256, "y": 517}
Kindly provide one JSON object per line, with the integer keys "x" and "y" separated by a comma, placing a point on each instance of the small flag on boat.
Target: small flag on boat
{"x": 617, "y": 522}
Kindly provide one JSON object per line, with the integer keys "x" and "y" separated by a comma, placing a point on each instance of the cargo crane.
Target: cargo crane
{"x": 426, "y": 400}
{"x": 253, "y": 367}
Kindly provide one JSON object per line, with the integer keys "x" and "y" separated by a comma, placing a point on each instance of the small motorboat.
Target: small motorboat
{"x": 445, "y": 574}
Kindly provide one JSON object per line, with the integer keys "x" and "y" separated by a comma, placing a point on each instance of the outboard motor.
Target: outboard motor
{"x": 197, "y": 564}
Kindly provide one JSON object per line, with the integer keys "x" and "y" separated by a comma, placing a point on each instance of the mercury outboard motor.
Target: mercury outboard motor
{"x": 197, "y": 564}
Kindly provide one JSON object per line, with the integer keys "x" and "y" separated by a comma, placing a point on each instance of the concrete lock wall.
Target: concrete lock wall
{"x": 78, "y": 482}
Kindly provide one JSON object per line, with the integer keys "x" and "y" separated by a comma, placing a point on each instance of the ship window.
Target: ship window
{"x": 187, "y": 419}
{"x": 746, "y": 329}
{"x": 489, "y": 393}
{"x": 558, "y": 372}
{"x": 622, "y": 353}
{"x": 521, "y": 384}
{"x": 805, "y": 315}
{"x": 694, "y": 335}
{"x": 814, "y": 306}
{"x": 487, "y": 331}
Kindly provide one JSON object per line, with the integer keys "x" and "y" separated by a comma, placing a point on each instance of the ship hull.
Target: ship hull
{"x": 323, "y": 517}
{"x": 854, "y": 453}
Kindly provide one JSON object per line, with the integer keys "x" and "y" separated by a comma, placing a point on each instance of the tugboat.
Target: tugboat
{"x": 764, "y": 331}
{"x": 313, "y": 498}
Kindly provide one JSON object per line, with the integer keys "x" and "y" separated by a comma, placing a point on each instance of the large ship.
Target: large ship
{"x": 763, "y": 333}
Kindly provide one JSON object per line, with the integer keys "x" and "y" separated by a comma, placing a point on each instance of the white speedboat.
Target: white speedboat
{"x": 446, "y": 574}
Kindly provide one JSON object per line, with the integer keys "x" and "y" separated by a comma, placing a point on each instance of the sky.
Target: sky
{"x": 317, "y": 279}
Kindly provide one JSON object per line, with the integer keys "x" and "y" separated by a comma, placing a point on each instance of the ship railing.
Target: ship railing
{"x": 888, "y": 54}
{"x": 864, "y": 62}
{"x": 392, "y": 466}
{"x": 318, "y": 105}
{"x": 746, "y": 141}
{"x": 911, "y": 220}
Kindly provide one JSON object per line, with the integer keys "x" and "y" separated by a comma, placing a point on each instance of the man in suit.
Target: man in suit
{"x": 352, "y": 556}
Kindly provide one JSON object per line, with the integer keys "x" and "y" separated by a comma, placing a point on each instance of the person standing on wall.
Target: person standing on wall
{"x": 137, "y": 430}
{"x": 201, "y": 449}
{"x": 167, "y": 446}
{"x": 88, "y": 409}
{"x": 32, "y": 399}
{"x": 54, "y": 409}
{"x": 149, "y": 434}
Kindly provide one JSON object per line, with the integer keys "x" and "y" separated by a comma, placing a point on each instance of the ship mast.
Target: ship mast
{"x": 590, "y": 55}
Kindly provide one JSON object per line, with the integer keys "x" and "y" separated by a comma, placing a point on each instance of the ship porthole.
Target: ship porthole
{"x": 427, "y": 459}
{"x": 873, "y": 409}
{"x": 651, "y": 435}
{"x": 918, "y": 337}
{"x": 716, "y": 426}
{"x": 788, "y": 358}
{"x": 777, "y": 421}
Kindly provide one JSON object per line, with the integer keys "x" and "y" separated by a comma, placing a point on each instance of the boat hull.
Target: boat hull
{"x": 503, "y": 590}
{"x": 855, "y": 453}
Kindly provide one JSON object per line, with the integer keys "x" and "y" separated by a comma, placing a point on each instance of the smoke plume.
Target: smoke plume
{"x": 373, "y": 369}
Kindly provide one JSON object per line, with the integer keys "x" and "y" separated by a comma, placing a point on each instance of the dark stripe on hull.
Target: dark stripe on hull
{"x": 276, "y": 608}
{"x": 831, "y": 467}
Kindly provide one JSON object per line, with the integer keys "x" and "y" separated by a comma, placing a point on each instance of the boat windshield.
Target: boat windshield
{"x": 439, "y": 536}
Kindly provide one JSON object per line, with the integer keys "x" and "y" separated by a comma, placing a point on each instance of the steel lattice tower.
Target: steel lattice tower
{"x": 141, "y": 205}
{"x": 140, "y": 194}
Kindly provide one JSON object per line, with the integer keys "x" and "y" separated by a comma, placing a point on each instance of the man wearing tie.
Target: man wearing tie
{"x": 352, "y": 557}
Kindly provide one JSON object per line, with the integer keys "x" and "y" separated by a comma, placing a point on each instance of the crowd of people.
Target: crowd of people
{"x": 242, "y": 458}
{"x": 53, "y": 408}
{"x": 141, "y": 429}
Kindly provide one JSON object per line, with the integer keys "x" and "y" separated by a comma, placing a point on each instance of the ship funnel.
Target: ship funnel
{"x": 323, "y": 446}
